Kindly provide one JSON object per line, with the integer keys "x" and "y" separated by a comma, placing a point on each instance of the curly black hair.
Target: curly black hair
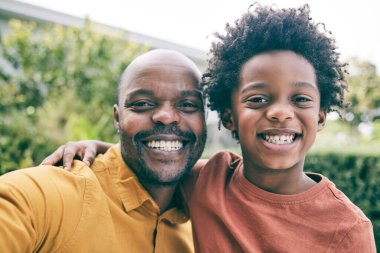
{"x": 265, "y": 29}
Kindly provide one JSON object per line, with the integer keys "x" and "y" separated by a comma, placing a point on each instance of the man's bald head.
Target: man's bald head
{"x": 157, "y": 57}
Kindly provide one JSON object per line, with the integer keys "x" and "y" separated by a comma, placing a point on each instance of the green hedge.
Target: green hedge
{"x": 358, "y": 176}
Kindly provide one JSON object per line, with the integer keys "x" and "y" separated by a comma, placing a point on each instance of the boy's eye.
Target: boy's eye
{"x": 302, "y": 100}
{"x": 257, "y": 99}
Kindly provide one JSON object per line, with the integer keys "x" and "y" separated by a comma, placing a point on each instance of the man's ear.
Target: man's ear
{"x": 321, "y": 119}
{"x": 116, "y": 117}
{"x": 227, "y": 120}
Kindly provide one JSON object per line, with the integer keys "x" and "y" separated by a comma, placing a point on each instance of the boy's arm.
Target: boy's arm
{"x": 360, "y": 238}
{"x": 85, "y": 150}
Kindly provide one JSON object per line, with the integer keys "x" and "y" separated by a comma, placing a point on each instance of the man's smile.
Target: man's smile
{"x": 165, "y": 145}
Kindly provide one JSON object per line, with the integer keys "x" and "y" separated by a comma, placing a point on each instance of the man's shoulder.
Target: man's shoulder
{"x": 78, "y": 169}
{"x": 49, "y": 180}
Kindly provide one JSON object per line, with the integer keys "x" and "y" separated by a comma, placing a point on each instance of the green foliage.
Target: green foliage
{"x": 56, "y": 84}
{"x": 357, "y": 175}
{"x": 364, "y": 91}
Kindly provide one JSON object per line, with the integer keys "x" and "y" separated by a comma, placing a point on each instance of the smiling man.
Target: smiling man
{"x": 126, "y": 201}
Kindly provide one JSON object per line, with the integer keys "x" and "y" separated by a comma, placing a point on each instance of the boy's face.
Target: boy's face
{"x": 276, "y": 110}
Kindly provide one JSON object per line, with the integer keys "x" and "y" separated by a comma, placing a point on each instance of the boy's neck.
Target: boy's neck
{"x": 287, "y": 182}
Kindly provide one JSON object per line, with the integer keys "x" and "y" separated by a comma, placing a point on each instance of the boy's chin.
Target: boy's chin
{"x": 280, "y": 165}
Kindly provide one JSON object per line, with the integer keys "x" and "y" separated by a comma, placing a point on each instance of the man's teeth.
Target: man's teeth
{"x": 279, "y": 139}
{"x": 165, "y": 145}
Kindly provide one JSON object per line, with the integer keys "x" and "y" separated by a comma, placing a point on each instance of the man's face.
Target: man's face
{"x": 160, "y": 117}
{"x": 276, "y": 110}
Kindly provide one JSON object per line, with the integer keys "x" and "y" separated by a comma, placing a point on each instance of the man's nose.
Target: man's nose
{"x": 166, "y": 114}
{"x": 280, "y": 112}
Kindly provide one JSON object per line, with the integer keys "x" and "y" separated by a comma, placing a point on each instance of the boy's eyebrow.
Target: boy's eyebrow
{"x": 306, "y": 85}
{"x": 254, "y": 86}
{"x": 259, "y": 86}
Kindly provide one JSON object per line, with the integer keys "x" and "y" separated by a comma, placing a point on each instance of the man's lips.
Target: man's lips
{"x": 165, "y": 142}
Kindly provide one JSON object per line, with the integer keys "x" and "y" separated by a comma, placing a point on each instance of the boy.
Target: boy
{"x": 272, "y": 78}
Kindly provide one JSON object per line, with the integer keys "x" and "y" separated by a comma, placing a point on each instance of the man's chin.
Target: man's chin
{"x": 166, "y": 174}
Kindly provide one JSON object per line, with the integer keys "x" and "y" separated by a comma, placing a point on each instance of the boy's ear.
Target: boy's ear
{"x": 116, "y": 117}
{"x": 321, "y": 119}
{"x": 227, "y": 120}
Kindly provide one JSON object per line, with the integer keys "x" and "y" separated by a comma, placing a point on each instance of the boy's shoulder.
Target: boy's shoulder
{"x": 342, "y": 205}
{"x": 353, "y": 230}
{"x": 224, "y": 159}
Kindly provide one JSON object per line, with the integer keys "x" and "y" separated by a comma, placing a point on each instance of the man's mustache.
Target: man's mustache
{"x": 165, "y": 129}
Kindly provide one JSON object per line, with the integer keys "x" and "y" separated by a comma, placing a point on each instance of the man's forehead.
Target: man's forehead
{"x": 163, "y": 57}
{"x": 160, "y": 69}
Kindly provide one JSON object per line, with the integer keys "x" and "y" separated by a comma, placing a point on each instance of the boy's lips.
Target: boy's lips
{"x": 279, "y": 136}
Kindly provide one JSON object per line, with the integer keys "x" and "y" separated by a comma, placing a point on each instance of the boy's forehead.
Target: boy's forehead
{"x": 276, "y": 63}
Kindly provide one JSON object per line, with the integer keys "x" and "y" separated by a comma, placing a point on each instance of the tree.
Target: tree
{"x": 56, "y": 84}
{"x": 364, "y": 95}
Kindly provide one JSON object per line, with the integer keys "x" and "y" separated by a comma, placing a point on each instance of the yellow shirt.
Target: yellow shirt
{"x": 47, "y": 209}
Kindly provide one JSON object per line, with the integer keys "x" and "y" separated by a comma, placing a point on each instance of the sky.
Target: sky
{"x": 354, "y": 24}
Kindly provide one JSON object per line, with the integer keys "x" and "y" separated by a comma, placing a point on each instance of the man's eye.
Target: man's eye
{"x": 141, "y": 105}
{"x": 188, "y": 107}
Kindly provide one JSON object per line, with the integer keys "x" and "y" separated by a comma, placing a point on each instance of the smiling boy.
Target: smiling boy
{"x": 272, "y": 78}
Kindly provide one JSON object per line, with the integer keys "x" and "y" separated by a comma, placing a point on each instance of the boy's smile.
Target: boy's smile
{"x": 276, "y": 110}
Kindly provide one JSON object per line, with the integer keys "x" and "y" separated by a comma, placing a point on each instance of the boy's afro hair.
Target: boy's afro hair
{"x": 265, "y": 29}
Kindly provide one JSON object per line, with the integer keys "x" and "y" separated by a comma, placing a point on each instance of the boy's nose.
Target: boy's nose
{"x": 280, "y": 112}
{"x": 166, "y": 115}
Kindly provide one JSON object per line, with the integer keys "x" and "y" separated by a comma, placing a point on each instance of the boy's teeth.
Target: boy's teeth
{"x": 165, "y": 145}
{"x": 279, "y": 139}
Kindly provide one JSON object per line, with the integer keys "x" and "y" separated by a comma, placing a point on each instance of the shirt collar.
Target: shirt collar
{"x": 133, "y": 194}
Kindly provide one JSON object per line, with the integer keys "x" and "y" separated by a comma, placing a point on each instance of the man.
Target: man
{"x": 160, "y": 117}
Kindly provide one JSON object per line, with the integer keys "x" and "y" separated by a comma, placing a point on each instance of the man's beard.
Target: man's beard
{"x": 133, "y": 154}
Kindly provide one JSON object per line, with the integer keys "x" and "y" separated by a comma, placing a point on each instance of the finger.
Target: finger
{"x": 54, "y": 158}
{"x": 89, "y": 156}
{"x": 68, "y": 156}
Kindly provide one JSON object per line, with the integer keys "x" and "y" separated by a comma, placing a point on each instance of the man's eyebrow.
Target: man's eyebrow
{"x": 192, "y": 93}
{"x": 137, "y": 92}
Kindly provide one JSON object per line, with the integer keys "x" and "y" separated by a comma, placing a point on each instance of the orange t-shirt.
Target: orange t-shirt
{"x": 229, "y": 214}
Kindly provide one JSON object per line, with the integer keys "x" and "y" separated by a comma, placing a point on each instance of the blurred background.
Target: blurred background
{"x": 60, "y": 62}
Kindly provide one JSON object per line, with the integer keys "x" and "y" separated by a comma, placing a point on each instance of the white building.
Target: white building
{"x": 14, "y": 9}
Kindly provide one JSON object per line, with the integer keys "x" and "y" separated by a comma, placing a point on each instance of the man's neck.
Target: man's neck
{"x": 163, "y": 195}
